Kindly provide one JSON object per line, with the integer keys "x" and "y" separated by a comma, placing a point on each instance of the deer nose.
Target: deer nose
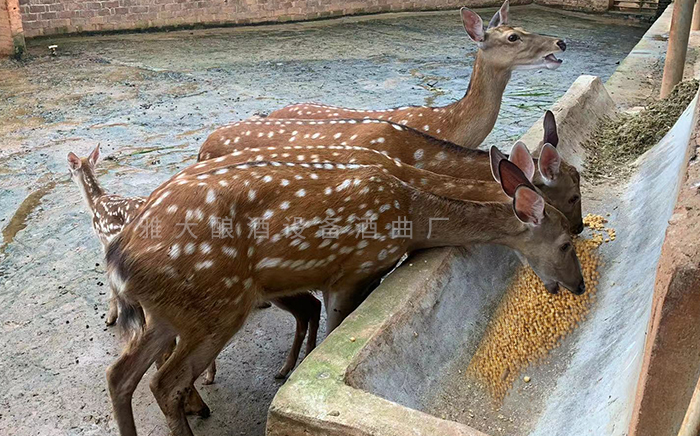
{"x": 561, "y": 44}
{"x": 581, "y": 288}
{"x": 578, "y": 229}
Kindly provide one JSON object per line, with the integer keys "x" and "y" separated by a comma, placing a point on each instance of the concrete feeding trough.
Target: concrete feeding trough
{"x": 412, "y": 339}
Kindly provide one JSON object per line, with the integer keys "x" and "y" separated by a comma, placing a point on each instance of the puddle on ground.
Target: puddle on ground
{"x": 18, "y": 222}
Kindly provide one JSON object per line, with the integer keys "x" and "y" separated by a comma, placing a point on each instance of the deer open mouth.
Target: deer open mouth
{"x": 551, "y": 62}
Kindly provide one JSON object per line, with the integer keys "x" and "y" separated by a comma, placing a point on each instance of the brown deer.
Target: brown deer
{"x": 109, "y": 212}
{"x": 303, "y": 140}
{"x": 467, "y": 122}
{"x": 202, "y": 288}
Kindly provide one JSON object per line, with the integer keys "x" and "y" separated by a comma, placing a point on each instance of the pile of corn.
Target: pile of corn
{"x": 529, "y": 321}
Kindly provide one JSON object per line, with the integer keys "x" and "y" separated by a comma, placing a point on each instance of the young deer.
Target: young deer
{"x": 202, "y": 288}
{"x": 467, "y": 122}
{"x": 304, "y": 140}
{"x": 109, "y": 212}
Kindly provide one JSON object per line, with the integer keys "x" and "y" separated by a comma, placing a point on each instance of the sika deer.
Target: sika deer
{"x": 109, "y": 212}
{"x": 467, "y": 122}
{"x": 304, "y": 140}
{"x": 202, "y": 288}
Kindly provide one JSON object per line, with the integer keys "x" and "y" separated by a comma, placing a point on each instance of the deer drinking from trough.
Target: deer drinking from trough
{"x": 202, "y": 288}
{"x": 467, "y": 122}
{"x": 305, "y": 140}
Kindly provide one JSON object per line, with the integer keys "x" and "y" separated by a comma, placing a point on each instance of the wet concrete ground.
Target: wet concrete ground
{"x": 150, "y": 100}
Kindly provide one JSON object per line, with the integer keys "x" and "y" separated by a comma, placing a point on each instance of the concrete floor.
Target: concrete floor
{"x": 150, "y": 100}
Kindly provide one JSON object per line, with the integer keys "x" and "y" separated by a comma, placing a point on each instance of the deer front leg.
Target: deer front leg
{"x": 344, "y": 297}
{"x": 305, "y": 308}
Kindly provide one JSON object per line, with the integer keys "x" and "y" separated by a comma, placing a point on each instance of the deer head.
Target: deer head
{"x": 82, "y": 171}
{"x": 508, "y": 47}
{"x": 547, "y": 246}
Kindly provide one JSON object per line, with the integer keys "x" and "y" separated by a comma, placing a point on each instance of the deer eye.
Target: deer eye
{"x": 574, "y": 199}
{"x": 565, "y": 247}
{"x": 513, "y": 37}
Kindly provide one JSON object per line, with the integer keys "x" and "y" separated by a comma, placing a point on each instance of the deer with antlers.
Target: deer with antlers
{"x": 201, "y": 288}
{"x": 305, "y": 140}
{"x": 467, "y": 122}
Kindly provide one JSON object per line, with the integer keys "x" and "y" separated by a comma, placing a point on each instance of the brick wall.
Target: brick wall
{"x": 11, "y": 35}
{"x": 48, "y": 17}
{"x": 578, "y": 5}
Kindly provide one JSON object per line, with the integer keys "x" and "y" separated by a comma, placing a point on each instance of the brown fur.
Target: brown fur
{"x": 202, "y": 288}
{"x": 468, "y": 121}
{"x": 337, "y": 140}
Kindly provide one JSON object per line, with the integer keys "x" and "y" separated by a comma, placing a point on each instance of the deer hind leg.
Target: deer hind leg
{"x": 305, "y": 308}
{"x": 173, "y": 384}
{"x": 194, "y": 405}
{"x": 124, "y": 375}
{"x": 113, "y": 311}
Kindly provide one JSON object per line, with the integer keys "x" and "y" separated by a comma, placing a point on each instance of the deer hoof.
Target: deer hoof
{"x": 111, "y": 320}
{"x": 264, "y": 305}
{"x": 204, "y": 412}
{"x": 282, "y": 374}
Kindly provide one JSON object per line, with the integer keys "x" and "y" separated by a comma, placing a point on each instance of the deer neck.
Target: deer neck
{"x": 90, "y": 188}
{"x": 471, "y": 119}
{"x": 467, "y": 222}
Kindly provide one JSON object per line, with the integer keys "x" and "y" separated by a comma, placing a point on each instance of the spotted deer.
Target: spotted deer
{"x": 306, "y": 140}
{"x": 467, "y": 122}
{"x": 201, "y": 288}
{"x": 109, "y": 212}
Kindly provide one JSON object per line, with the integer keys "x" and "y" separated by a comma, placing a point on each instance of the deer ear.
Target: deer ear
{"x": 549, "y": 162}
{"x": 74, "y": 161}
{"x": 528, "y": 206}
{"x": 500, "y": 18}
{"x": 496, "y": 157}
{"x": 521, "y": 157}
{"x": 94, "y": 156}
{"x": 511, "y": 177}
{"x": 473, "y": 24}
{"x": 550, "y": 129}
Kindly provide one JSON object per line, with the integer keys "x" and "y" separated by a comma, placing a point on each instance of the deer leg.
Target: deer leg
{"x": 343, "y": 298}
{"x": 173, "y": 384}
{"x": 302, "y": 306}
{"x": 113, "y": 311}
{"x": 313, "y": 326}
{"x": 194, "y": 405}
{"x": 124, "y": 375}
{"x": 340, "y": 305}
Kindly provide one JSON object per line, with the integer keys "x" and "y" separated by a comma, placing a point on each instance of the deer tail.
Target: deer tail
{"x": 131, "y": 320}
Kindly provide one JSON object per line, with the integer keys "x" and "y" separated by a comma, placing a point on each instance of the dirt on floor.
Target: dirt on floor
{"x": 150, "y": 100}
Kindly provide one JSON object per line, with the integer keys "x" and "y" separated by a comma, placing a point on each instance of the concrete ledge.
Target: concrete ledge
{"x": 317, "y": 400}
{"x": 671, "y": 363}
